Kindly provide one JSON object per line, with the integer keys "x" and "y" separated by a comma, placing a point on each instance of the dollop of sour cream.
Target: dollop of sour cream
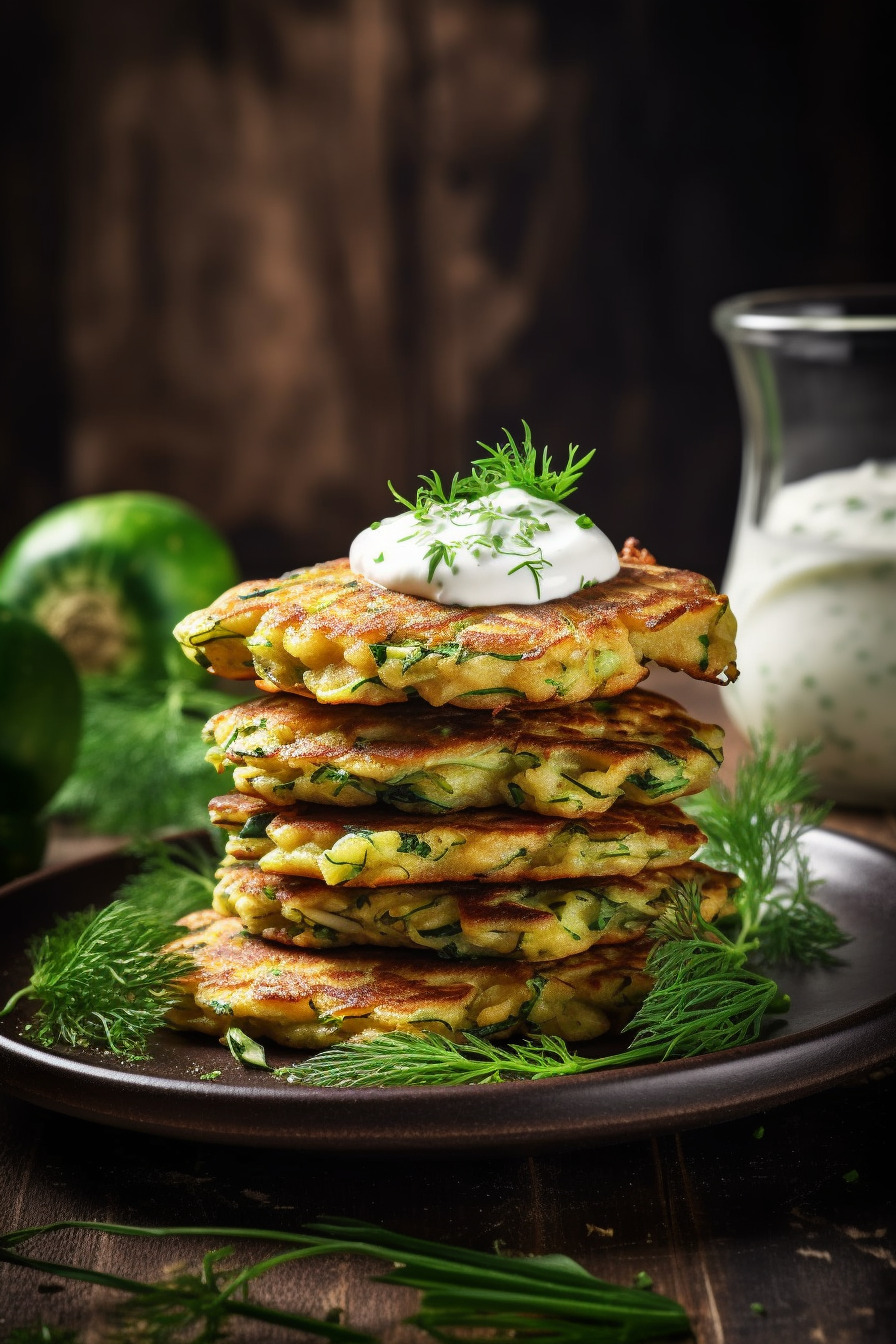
{"x": 505, "y": 547}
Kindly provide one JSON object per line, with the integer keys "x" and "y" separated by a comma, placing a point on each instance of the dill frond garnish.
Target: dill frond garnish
{"x": 545, "y": 1299}
{"x": 399, "y": 1059}
{"x": 505, "y": 464}
{"x": 756, "y": 829}
{"x": 141, "y": 766}
{"x": 174, "y": 879}
{"x": 102, "y": 978}
{"x": 705, "y": 997}
{"x": 797, "y": 931}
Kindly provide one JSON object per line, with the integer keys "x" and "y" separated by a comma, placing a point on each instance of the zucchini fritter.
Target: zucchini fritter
{"x": 311, "y": 999}
{"x": 526, "y": 921}
{"x": 367, "y": 849}
{"x": 558, "y": 762}
{"x": 331, "y": 634}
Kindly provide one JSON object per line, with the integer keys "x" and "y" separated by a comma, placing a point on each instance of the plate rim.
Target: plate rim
{"x": 302, "y": 1117}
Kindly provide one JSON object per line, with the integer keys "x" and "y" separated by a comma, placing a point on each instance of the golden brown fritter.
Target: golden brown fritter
{"x": 527, "y": 921}
{"x": 375, "y": 847}
{"x": 558, "y": 762}
{"x": 311, "y": 999}
{"x": 331, "y": 634}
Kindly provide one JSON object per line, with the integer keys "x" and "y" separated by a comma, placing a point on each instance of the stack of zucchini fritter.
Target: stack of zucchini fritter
{"x": 393, "y": 863}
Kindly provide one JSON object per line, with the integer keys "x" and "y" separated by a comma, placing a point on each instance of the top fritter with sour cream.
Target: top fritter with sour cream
{"x": 328, "y": 633}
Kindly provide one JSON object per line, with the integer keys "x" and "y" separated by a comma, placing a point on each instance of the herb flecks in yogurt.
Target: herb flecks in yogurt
{"x": 499, "y": 535}
{"x": 815, "y": 592}
{"x": 854, "y": 507}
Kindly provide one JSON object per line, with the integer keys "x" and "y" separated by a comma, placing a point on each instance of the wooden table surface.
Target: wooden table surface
{"x": 755, "y": 1211}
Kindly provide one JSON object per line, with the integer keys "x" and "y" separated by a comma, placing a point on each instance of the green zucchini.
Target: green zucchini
{"x": 110, "y": 575}
{"x": 41, "y": 699}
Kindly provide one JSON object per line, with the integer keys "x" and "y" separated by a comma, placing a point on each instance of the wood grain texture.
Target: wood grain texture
{"x": 719, "y": 1218}
{"x": 265, "y": 253}
{"x": 278, "y": 248}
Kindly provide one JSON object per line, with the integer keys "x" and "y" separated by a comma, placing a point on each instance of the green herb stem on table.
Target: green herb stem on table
{"x": 544, "y": 1299}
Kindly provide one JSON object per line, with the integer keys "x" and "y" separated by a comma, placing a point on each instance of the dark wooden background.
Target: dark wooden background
{"x": 263, "y": 254}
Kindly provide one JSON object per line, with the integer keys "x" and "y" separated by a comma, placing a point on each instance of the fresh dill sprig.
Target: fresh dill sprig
{"x": 756, "y": 830}
{"x": 705, "y": 997}
{"x": 507, "y": 464}
{"x": 400, "y": 1059}
{"x": 548, "y": 1299}
{"x": 504, "y": 464}
{"x": 141, "y": 765}
{"x": 175, "y": 878}
{"x": 102, "y": 978}
{"x": 201, "y": 1302}
{"x": 796, "y": 930}
{"x": 432, "y": 494}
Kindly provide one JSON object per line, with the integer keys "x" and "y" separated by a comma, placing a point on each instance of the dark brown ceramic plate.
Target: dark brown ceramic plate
{"x": 842, "y": 1023}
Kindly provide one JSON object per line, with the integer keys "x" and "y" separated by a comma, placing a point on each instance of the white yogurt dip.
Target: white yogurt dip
{"x": 507, "y": 546}
{"x": 814, "y": 591}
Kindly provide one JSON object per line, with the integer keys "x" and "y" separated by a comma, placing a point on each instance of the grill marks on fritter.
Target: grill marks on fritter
{"x": 305, "y": 1000}
{"x": 331, "y": 634}
{"x": 557, "y": 762}
{"x": 530, "y": 921}
{"x": 374, "y": 849}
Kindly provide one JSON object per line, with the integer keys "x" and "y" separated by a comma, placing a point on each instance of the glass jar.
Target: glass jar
{"x": 812, "y": 569}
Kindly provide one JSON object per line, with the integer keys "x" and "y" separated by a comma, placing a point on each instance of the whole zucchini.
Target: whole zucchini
{"x": 108, "y": 576}
{"x": 40, "y": 695}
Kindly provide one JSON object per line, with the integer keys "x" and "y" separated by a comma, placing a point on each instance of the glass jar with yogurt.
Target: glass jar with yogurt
{"x": 812, "y": 569}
